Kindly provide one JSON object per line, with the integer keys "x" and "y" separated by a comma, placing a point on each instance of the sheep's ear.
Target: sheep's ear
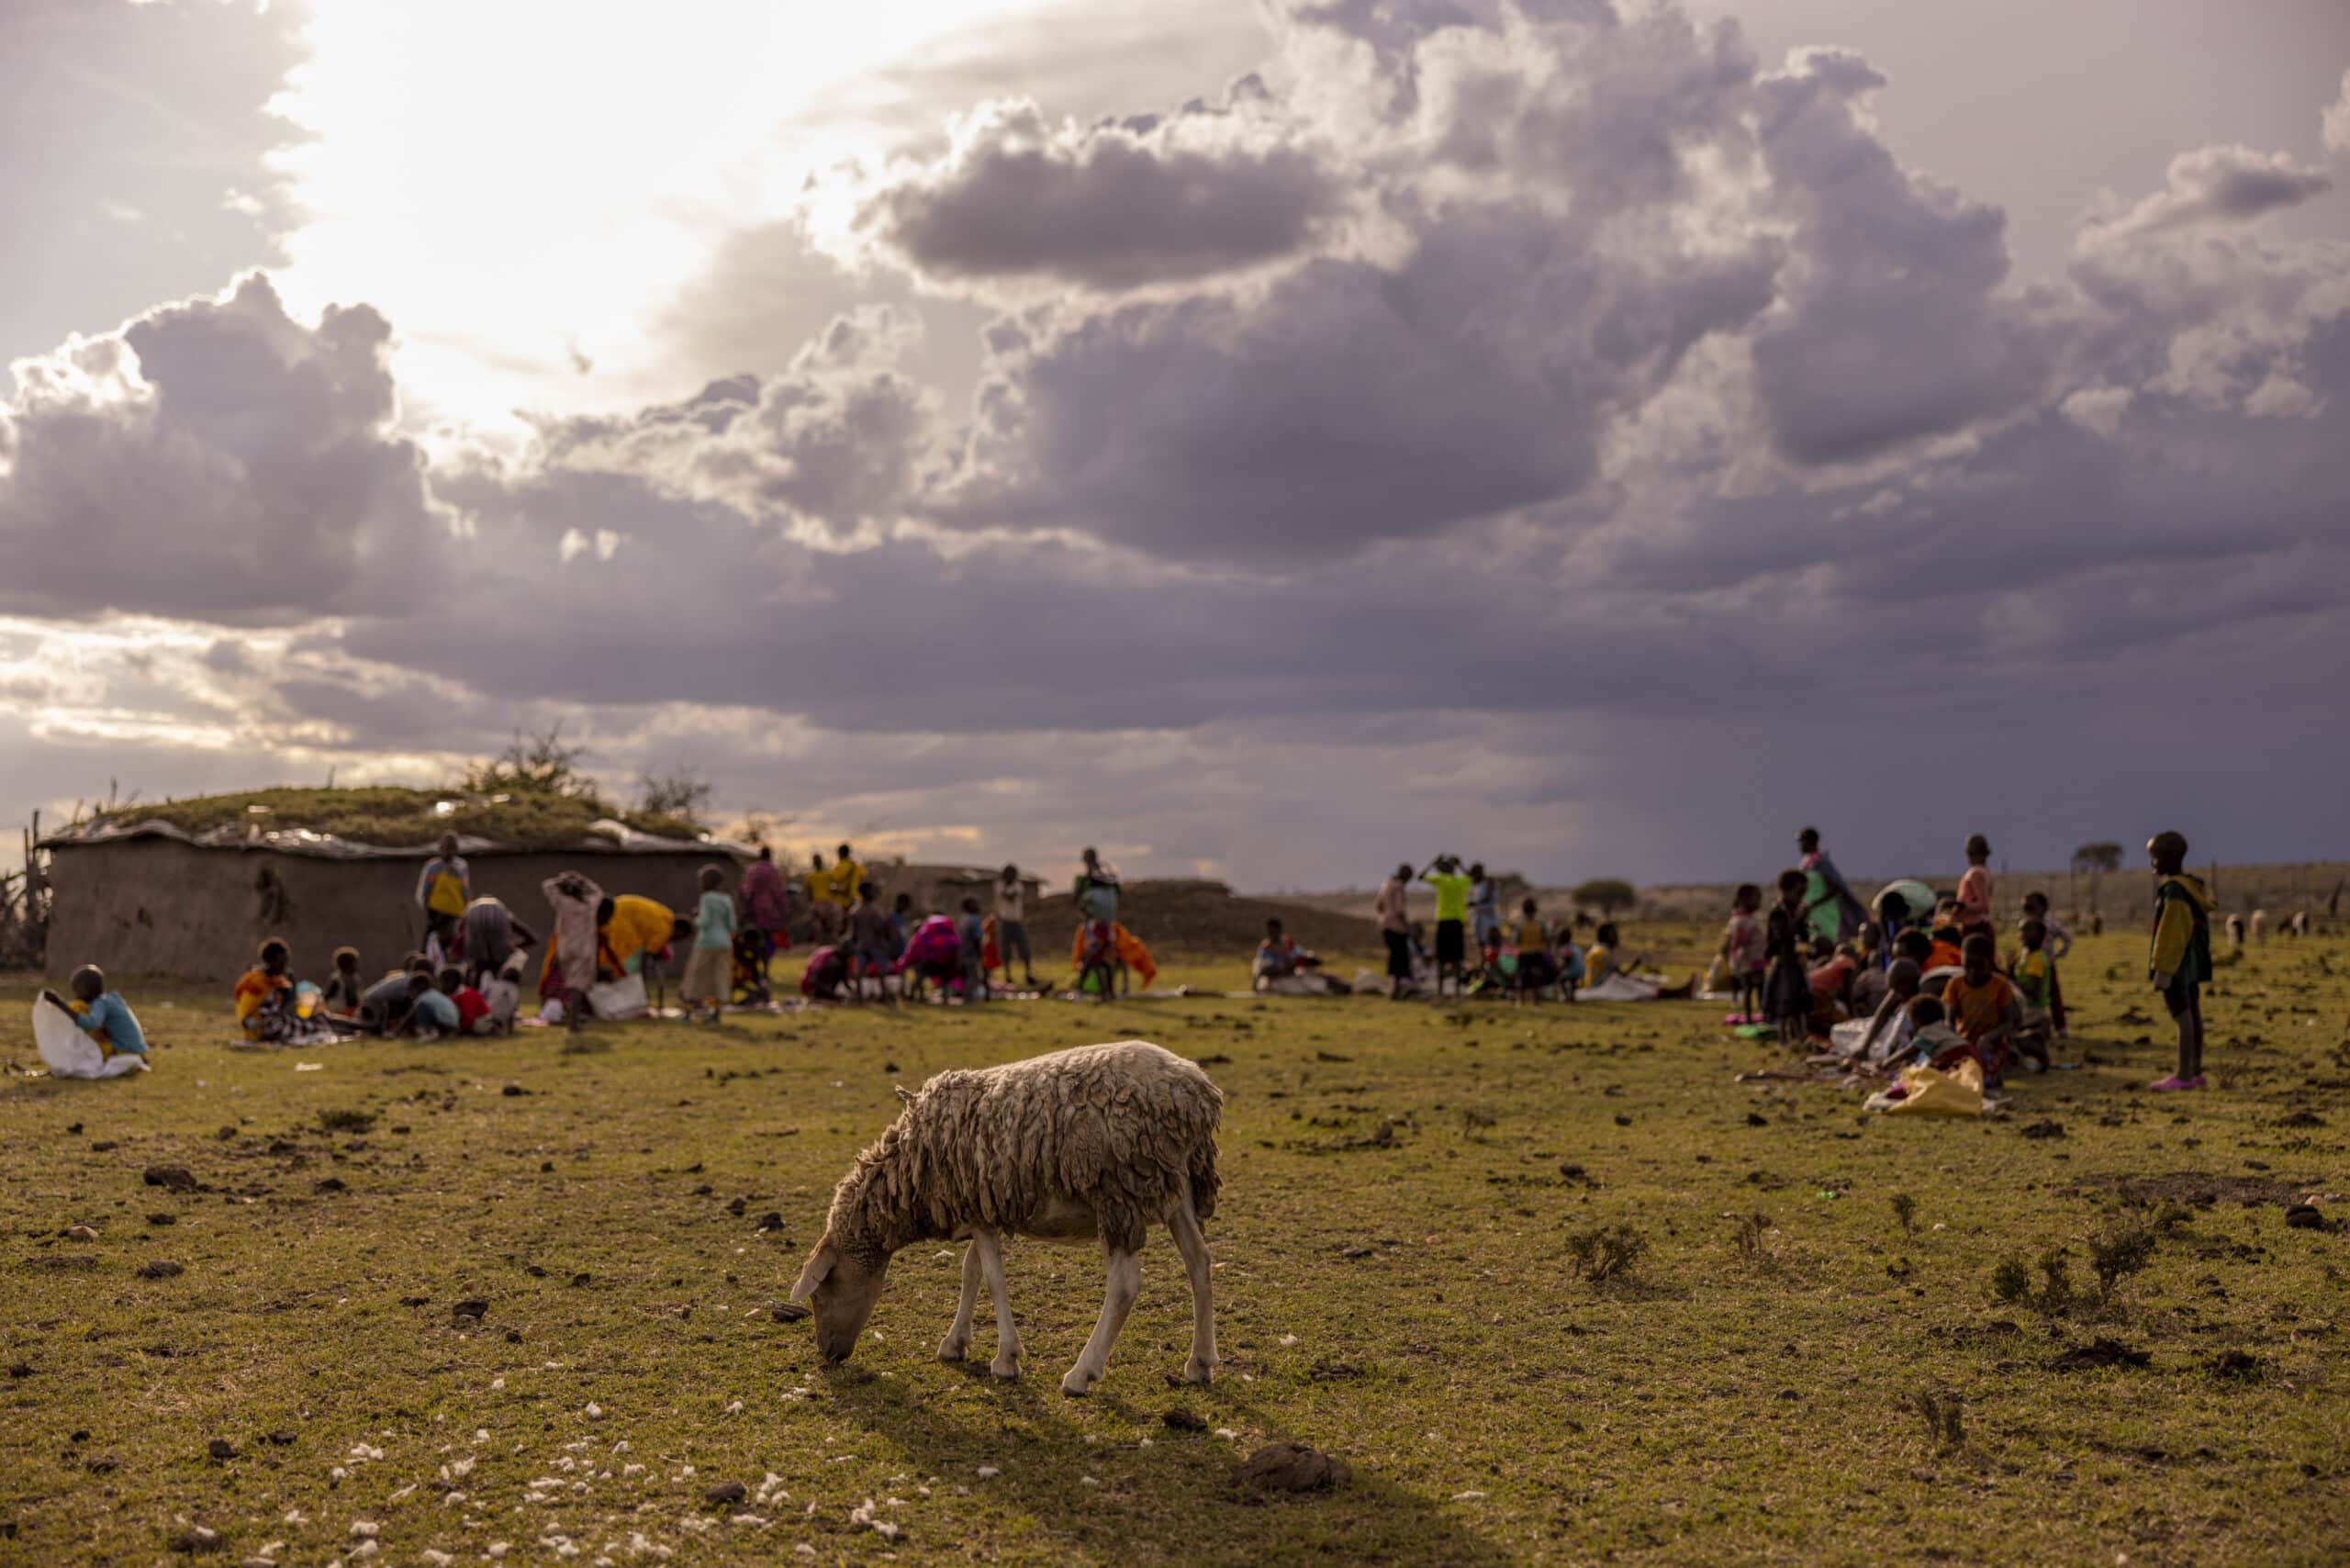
{"x": 903, "y": 1092}
{"x": 813, "y": 1274}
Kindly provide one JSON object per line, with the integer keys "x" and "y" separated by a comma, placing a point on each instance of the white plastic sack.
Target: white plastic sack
{"x": 622, "y": 997}
{"x": 71, "y": 1053}
{"x": 1619, "y": 988}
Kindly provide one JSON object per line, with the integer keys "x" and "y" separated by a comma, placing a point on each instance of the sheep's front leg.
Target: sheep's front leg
{"x": 1007, "y": 1335}
{"x": 1125, "y": 1282}
{"x": 958, "y": 1334}
{"x": 1185, "y": 1226}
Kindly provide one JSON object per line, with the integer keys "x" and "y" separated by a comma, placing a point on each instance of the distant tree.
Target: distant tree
{"x": 2097, "y": 859}
{"x": 682, "y": 795}
{"x": 1608, "y": 895}
{"x": 543, "y": 763}
{"x": 2103, "y": 857}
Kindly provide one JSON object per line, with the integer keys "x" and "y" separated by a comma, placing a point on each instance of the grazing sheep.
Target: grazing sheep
{"x": 2235, "y": 931}
{"x": 1099, "y": 1140}
{"x": 2259, "y": 926}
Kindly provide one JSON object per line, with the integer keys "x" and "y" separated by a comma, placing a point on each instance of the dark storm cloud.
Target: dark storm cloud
{"x": 216, "y": 460}
{"x": 2224, "y": 185}
{"x": 1107, "y": 207}
{"x": 1648, "y": 412}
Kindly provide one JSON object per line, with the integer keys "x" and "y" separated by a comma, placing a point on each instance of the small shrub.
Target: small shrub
{"x": 1905, "y": 1209}
{"x": 346, "y": 1121}
{"x": 1604, "y": 1252}
{"x": 2010, "y": 1281}
{"x": 1945, "y": 1414}
{"x": 2056, "y": 1282}
{"x": 1746, "y": 1234}
{"x": 2118, "y": 1254}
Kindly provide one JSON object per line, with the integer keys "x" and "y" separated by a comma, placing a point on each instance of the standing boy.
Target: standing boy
{"x": 1011, "y": 926}
{"x": 708, "y": 969}
{"x": 1975, "y": 888}
{"x": 442, "y": 890}
{"x": 970, "y": 952}
{"x": 1395, "y": 930}
{"x": 1444, "y": 875}
{"x": 2178, "y": 959}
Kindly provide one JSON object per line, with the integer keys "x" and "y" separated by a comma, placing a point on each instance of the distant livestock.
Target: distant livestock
{"x": 1095, "y": 1141}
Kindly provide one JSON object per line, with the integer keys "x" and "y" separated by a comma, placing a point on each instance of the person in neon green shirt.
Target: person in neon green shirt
{"x": 1451, "y": 885}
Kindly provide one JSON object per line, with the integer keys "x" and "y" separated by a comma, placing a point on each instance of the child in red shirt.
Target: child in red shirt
{"x": 472, "y": 1007}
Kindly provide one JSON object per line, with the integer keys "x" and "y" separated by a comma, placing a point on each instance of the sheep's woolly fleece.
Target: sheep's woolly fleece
{"x": 1124, "y": 1127}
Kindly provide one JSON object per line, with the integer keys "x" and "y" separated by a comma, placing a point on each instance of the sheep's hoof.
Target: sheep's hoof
{"x": 1003, "y": 1367}
{"x": 1077, "y": 1381}
{"x": 1197, "y": 1370}
{"x": 951, "y": 1349}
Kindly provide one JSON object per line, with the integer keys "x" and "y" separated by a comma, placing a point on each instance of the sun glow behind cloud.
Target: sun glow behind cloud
{"x": 519, "y": 188}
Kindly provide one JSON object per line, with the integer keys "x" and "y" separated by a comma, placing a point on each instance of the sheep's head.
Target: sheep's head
{"x": 842, "y": 1290}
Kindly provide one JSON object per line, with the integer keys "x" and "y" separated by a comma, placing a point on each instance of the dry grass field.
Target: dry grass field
{"x": 1835, "y": 1338}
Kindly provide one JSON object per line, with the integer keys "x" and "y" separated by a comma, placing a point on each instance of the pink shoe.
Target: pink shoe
{"x": 2175, "y": 1082}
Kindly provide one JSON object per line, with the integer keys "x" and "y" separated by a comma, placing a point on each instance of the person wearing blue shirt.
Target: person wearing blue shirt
{"x": 105, "y": 1017}
{"x": 971, "y": 934}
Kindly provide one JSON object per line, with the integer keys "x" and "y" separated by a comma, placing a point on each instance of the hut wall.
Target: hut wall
{"x": 156, "y": 907}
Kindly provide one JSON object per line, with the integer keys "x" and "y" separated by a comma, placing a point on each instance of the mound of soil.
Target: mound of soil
{"x": 1208, "y": 918}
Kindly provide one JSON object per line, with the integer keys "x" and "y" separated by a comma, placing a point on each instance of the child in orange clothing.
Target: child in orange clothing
{"x": 1982, "y": 1005}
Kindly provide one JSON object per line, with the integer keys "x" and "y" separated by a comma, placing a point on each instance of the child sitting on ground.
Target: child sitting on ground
{"x": 2059, "y": 943}
{"x": 109, "y": 1043}
{"x": 433, "y": 1011}
{"x": 971, "y": 938}
{"x": 1930, "y": 1036}
{"x": 1887, "y": 1032}
{"x": 747, "y": 985}
{"x": 2034, "y": 973}
{"x": 383, "y": 1007}
{"x": 472, "y": 1007}
{"x": 1742, "y": 950}
{"x": 272, "y": 1009}
{"x": 1278, "y": 956}
{"x": 1571, "y": 969}
{"x": 1537, "y": 969}
{"x": 344, "y": 988}
{"x": 1983, "y": 1007}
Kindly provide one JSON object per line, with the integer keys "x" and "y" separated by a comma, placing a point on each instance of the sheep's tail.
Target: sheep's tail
{"x": 1205, "y": 1183}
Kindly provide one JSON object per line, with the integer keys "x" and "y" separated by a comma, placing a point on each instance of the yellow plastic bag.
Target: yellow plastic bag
{"x": 1929, "y": 1093}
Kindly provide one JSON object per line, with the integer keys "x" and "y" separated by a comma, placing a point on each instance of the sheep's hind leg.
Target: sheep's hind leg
{"x": 958, "y": 1334}
{"x": 1117, "y": 1300}
{"x": 1007, "y": 1335}
{"x": 1185, "y": 1226}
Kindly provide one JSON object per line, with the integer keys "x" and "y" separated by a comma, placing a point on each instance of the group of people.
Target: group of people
{"x": 1477, "y": 951}
{"x": 1920, "y": 976}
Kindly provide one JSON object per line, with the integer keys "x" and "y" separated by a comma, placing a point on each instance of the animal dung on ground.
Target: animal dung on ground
{"x": 725, "y": 1495}
{"x": 2304, "y": 1216}
{"x": 221, "y": 1448}
{"x": 171, "y": 1178}
{"x": 1184, "y": 1420}
{"x": 2099, "y": 1352}
{"x": 2044, "y": 1129}
{"x": 161, "y": 1269}
{"x": 469, "y": 1311}
{"x": 1291, "y": 1467}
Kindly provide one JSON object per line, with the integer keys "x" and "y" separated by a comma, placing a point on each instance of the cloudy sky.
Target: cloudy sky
{"x": 1267, "y": 438}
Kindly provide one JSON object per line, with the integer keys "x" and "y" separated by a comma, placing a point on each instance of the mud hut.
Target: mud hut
{"x": 187, "y": 890}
